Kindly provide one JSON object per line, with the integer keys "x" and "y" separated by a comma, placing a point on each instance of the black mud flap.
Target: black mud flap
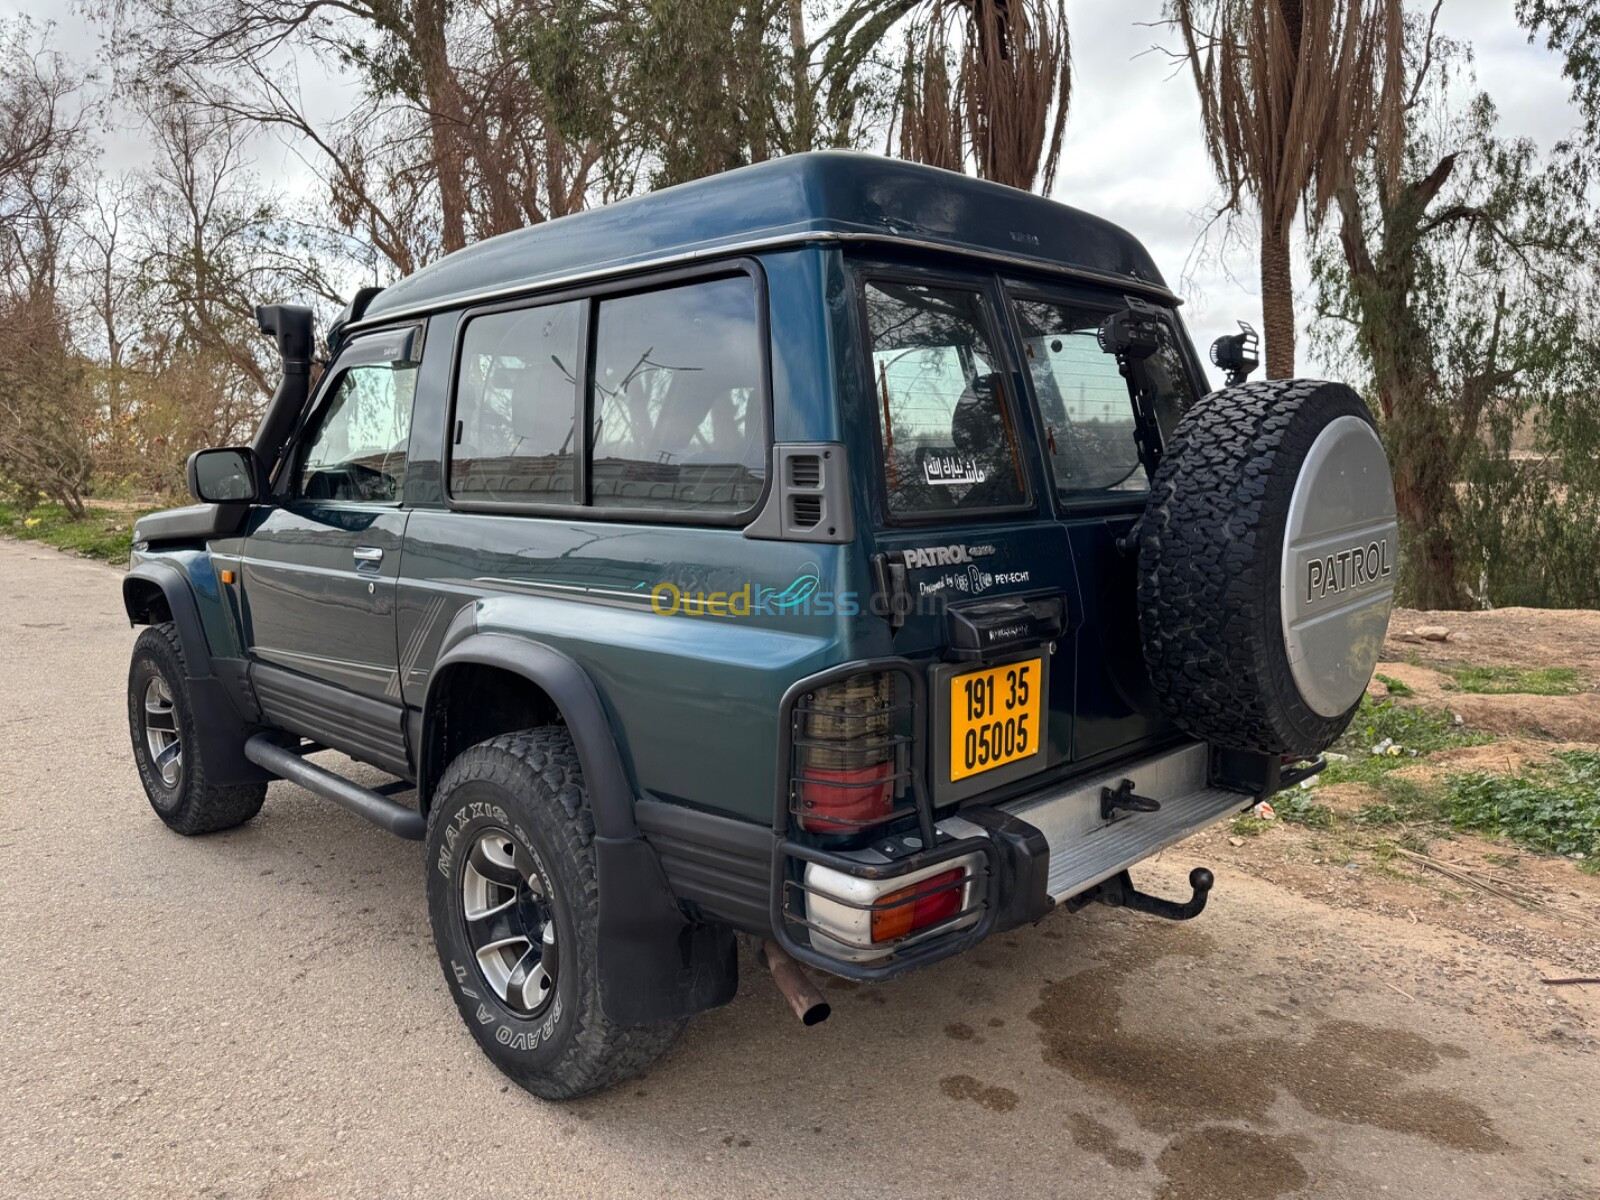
{"x": 655, "y": 964}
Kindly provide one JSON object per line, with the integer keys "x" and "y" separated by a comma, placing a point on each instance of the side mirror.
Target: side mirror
{"x": 226, "y": 476}
{"x": 1238, "y": 354}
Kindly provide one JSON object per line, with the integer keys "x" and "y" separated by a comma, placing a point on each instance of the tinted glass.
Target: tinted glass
{"x": 949, "y": 436}
{"x": 516, "y": 404}
{"x": 359, "y": 449}
{"x": 1084, "y": 400}
{"x": 678, "y": 420}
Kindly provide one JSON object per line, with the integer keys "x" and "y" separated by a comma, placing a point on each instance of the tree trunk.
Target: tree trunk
{"x": 444, "y": 125}
{"x": 1277, "y": 301}
{"x": 803, "y": 132}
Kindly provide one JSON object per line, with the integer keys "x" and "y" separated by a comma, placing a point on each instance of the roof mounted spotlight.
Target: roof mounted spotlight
{"x": 1237, "y": 353}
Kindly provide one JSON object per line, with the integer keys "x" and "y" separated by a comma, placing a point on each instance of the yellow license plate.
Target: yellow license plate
{"x": 995, "y": 717}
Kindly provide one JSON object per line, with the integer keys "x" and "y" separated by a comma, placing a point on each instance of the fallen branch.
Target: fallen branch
{"x": 1489, "y": 884}
{"x": 1402, "y": 992}
{"x": 1470, "y": 878}
{"x": 1570, "y": 982}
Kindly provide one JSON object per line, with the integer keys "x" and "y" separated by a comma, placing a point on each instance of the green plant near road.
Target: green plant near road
{"x": 1396, "y": 687}
{"x": 1501, "y": 681}
{"x": 1410, "y": 729}
{"x": 1301, "y": 808}
{"x": 106, "y": 535}
{"x": 1554, "y": 808}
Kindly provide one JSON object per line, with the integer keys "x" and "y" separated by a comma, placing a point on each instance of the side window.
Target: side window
{"x": 1084, "y": 400}
{"x": 358, "y": 449}
{"x": 677, "y": 412}
{"x": 516, "y": 404}
{"x": 949, "y": 437}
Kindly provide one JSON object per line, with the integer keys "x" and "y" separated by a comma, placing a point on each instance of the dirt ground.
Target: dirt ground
{"x": 1538, "y": 908}
{"x": 1519, "y": 637}
{"x": 260, "y": 1013}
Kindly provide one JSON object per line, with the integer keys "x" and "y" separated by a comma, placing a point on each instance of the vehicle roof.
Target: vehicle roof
{"x": 825, "y": 195}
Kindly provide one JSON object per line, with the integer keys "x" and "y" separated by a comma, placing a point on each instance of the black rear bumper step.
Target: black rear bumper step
{"x": 364, "y": 802}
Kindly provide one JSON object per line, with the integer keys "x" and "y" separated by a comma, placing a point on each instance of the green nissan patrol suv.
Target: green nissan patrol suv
{"x": 838, "y": 552}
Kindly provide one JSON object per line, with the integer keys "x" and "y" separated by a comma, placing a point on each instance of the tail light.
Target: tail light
{"x": 935, "y": 899}
{"x": 846, "y": 746}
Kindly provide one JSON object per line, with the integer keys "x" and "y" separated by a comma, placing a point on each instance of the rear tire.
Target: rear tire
{"x": 166, "y": 743}
{"x": 514, "y": 902}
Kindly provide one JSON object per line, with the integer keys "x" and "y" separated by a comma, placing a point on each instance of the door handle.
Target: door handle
{"x": 368, "y": 557}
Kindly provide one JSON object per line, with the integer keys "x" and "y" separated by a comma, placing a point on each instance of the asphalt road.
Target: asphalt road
{"x": 259, "y": 1013}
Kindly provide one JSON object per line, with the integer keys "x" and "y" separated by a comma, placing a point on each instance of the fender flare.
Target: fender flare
{"x": 568, "y": 685}
{"x": 655, "y": 965}
{"x": 174, "y": 586}
{"x": 221, "y": 728}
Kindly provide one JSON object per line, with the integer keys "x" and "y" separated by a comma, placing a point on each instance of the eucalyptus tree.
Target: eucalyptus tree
{"x": 1466, "y": 287}
{"x": 1292, "y": 93}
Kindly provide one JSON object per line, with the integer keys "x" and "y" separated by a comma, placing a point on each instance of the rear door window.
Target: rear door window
{"x": 516, "y": 405}
{"x": 948, "y": 428}
{"x": 1084, "y": 400}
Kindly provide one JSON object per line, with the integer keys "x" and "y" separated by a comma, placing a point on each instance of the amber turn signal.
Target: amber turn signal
{"x": 917, "y": 907}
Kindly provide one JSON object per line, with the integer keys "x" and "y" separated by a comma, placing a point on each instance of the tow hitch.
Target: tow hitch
{"x": 1119, "y": 892}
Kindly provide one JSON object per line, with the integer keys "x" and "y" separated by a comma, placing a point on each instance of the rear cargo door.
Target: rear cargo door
{"x": 966, "y": 544}
{"x": 1098, "y": 485}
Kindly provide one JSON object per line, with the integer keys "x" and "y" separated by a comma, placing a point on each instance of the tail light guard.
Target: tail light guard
{"x": 851, "y": 778}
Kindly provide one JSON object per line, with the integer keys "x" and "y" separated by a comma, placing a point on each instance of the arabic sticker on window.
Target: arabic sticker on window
{"x": 948, "y": 470}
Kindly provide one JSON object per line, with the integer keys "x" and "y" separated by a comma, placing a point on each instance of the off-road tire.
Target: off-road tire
{"x": 1210, "y": 555}
{"x": 530, "y": 784}
{"x": 192, "y": 805}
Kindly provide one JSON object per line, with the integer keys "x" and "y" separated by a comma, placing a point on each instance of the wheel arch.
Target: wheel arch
{"x": 654, "y": 963}
{"x": 154, "y": 592}
{"x": 550, "y": 687}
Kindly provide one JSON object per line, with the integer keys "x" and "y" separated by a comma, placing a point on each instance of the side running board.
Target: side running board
{"x": 364, "y": 802}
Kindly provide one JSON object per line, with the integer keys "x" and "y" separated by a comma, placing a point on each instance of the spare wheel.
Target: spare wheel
{"x": 1267, "y": 563}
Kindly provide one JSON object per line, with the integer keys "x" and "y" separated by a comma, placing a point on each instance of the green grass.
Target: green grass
{"x": 1299, "y": 807}
{"x": 102, "y": 534}
{"x": 1501, "y": 681}
{"x": 1402, "y": 802}
{"x": 1418, "y": 729}
{"x": 1554, "y": 808}
{"x": 1396, "y": 687}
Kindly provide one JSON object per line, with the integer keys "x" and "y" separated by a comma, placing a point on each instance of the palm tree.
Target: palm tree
{"x": 1292, "y": 94}
{"x": 983, "y": 84}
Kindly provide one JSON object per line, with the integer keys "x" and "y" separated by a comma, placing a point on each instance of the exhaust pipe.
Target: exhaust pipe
{"x": 795, "y": 984}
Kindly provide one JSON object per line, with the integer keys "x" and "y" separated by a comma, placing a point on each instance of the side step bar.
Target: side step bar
{"x": 364, "y": 802}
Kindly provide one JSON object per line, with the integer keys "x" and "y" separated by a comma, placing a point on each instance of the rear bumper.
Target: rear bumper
{"x": 1019, "y": 861}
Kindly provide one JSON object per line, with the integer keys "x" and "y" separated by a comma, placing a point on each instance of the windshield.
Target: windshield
{"x": 1084, "y": 400}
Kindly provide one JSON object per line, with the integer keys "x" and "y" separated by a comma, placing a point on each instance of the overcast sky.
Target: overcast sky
{"x": 1132, "y": 153}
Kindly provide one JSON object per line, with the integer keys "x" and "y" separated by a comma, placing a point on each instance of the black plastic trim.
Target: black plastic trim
{"x": 1022, "y": 883}
{"x": 720, "y": 865}
{"x": 364, "y": 728}
{"x": 575, "y": 697}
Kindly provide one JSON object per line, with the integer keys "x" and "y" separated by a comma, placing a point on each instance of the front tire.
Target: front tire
{"x": 166, "y": 743}
{"x": 514, "y": 902}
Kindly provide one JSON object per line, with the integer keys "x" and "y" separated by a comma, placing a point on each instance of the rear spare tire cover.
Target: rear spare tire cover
{"x": 1267, "y": 562}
